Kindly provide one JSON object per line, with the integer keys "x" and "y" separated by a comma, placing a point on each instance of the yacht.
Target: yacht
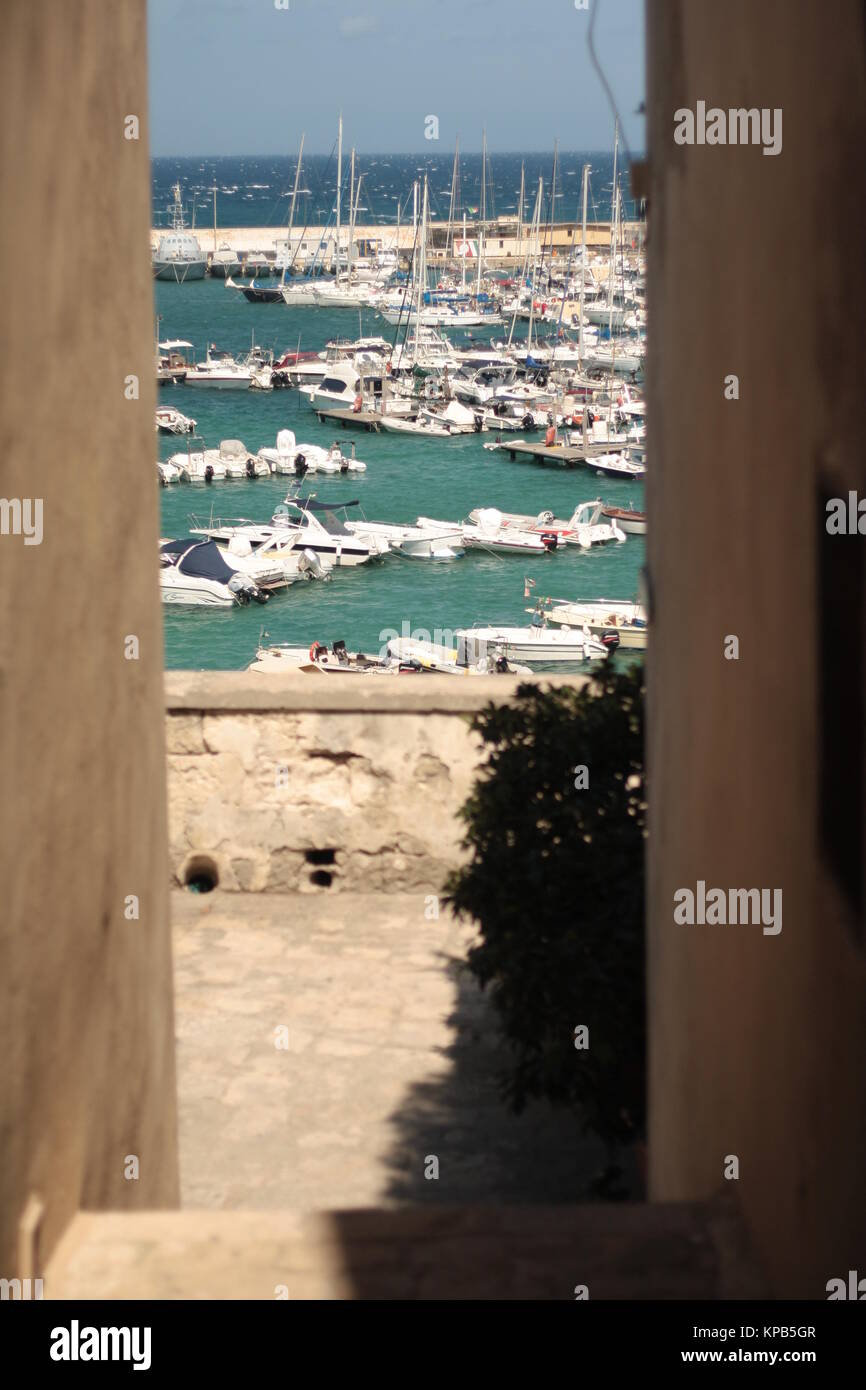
{"x": 419, "y": 542}
{"x": 178, "y": 256}
{"x": 317, "y": 526}
{"x": 488, "y": 532}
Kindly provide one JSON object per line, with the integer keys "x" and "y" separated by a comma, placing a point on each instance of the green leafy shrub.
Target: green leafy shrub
{"x": 556, "y": 883}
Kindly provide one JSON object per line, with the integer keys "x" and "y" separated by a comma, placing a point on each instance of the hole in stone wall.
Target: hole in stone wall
{"x": 321, "y": 856}
{"x": 201, "y": 874}
{"x": 321, "y": 878}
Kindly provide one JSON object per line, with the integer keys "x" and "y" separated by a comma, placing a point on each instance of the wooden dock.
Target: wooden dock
{"x": 368, "y": 420}
{"x": 556, "y": 456}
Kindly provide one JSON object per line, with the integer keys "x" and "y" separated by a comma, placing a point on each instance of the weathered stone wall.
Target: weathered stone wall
{"x": 269, "y": 778}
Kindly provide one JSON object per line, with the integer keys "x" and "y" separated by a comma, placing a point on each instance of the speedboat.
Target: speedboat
{"x": 318, "y": 527}
{"x": 283, "y": 658}
{"x": 219, "y": 370}
{"x": 238, "y": 461}
{"x": 583, "y": 527}
{"x": 419, "y": 542}
{"x": 454, "y": 661}
{"x": 199, "y": 465}
{"x": 615, "y": 466}
{"x": 486, "y": 531}
{"x": 535, "y": 645}
{"x": 194, "y": 573}
{"x": 273, "y": 547}
{"x": 171, "y": 421}
{"x": 224, "y": 263}
{"x": 601, "y": 616}
{"x": 296, "y": 460}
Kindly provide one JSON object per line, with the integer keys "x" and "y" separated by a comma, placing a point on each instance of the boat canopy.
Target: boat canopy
{"x": 199, "y": 559}
{"x": 309, "y": 504}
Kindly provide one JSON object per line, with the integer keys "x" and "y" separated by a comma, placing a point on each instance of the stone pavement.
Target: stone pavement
{"x": 387, "y": 1059}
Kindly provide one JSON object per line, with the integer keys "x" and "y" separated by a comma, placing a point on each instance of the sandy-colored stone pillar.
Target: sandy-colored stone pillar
{"x": 755, "y": 402}
{"x": 87, "y": 1081}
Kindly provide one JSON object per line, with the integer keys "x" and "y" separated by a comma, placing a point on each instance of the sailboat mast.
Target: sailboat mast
{"x": 582, "y": 263}
{"x": 454, "y": 178}
{"x": 289, "y": 256}
{"x": 536, "y": 227}
{"x": 339, "y": 183}
{"x": 351, "y": 209}
{"x": 483, "y": 209}
{"x": 214, "y": 218}
{"x": 520, "y": 204}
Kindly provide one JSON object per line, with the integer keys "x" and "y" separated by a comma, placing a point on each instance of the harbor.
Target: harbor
{"x": 358, "y": 415}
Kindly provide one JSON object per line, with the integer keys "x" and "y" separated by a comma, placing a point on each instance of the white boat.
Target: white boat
{"x": 487, "y": 532}
{"x": 178, "y": 256}
{"x": 199, "y": 465}
{"x": 295, "y": 460}
{"x": 615, "y": 466}
{"x": 318, "y": 527}
{"x": 627, "y": 620}
{"x": 627, "y": 519}
{"x": 414, "y": 542}
{"x": 273, "y": 546}
{"x": 431, "y": 429}
{"x": 167, "y": 472}
{"x": 584, "y": 527}
{"x": 224, "y": 263}
{"x": 220, "y": 371}
{"x": 238, "y": 461}
{"x": 171, "y": 421}
{"x": 534, "y": 645}
{"x": 454, "y": 661}
{"x": 194, "y": 573}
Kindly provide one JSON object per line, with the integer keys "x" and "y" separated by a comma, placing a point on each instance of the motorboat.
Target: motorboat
{"x": 178, "y": 256}
{"x": 534, "y": 645}
{"x": 454, "y": 661}
{"x": 171, "y": 421}
{"x": 296, "y": 460}
{"x": 318, "y": 527}
{"x": 167, "y": 472}
{"x": 616, "y": 466}
{"x": 238, "y": 462}
{"x": 583, "y": 528}
{"x": 487, "y": 532}
{"x": 284, "y": 658}
{"x": 194, "y": 573}
{"x": 199, "y": 465}
{"x": 417, "y": 542}
{"x": 224, "y": 263}
{"x": 273, "y": 547}
{"x": 172, "y": 363}
{"x": 627, "y": 519}
{"x": 628, "y": 620}
{"x": 219, "y": 370}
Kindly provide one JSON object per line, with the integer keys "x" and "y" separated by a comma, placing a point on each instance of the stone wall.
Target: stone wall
{"x": 310, "y": 784}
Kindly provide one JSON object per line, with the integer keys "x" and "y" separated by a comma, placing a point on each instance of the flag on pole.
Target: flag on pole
{"x": 528, "y": 584}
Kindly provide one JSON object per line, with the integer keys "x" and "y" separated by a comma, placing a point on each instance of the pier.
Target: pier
{"x": 368, "y": 420}
{"x": 556, "y": 455}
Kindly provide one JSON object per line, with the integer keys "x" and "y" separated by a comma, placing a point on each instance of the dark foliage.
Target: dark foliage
{"x": 556, "y": 883}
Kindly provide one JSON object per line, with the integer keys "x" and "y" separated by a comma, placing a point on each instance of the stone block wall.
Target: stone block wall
{"x": 320, "y": 783}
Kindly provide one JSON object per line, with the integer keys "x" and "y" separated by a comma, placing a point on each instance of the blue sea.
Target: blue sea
{"x": 404, "y": 478}
{"x": 256, "y": 191}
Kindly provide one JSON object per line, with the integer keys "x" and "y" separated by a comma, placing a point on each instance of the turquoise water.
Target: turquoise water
{"x": 404, "y": 478}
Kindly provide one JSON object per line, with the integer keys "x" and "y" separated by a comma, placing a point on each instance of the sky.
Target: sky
{"x": 239, "y": 77}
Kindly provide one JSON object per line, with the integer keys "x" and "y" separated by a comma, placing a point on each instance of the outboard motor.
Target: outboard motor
{"x": 300, "y": 465}
{"x": 549, "y": 540}
{"x": 478, "y": 422}
{"x": 611, "y": 641}
{"x": 251, "y": 468}
{"x": 310, "y": 566}
{"x": 528, "y": 421}
{"x": 208, "y": 473}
